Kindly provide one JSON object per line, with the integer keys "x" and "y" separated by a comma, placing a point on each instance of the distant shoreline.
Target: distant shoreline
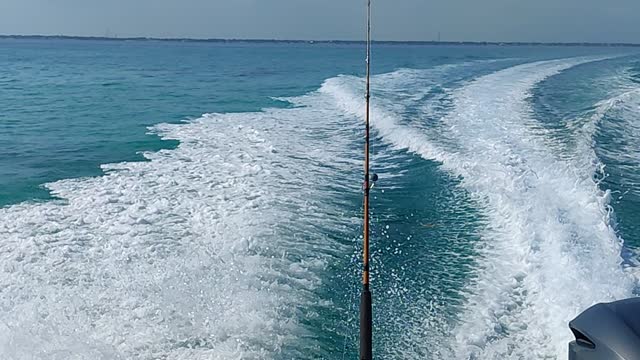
{"x": 191, "y": 40}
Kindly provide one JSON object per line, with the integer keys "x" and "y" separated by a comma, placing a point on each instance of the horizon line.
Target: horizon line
{"x": 324, "y": 41}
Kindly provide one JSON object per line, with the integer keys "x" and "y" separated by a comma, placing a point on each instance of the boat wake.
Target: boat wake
{"x": 226, "y": 247}
{"x": 214, "y": 250}
{"x": 549, "y": 250}
{"x": 618, "y": 117}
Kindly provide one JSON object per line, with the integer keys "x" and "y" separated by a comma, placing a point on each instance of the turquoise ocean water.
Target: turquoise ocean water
{"x": 177, "y": 200}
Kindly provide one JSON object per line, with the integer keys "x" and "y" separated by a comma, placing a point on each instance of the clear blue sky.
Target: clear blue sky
{"x": 496, "y": 20}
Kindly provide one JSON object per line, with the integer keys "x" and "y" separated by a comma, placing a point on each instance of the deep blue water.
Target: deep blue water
{"x": 132, "y": 226}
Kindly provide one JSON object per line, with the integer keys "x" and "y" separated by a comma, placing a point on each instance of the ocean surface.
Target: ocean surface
{"x": 176, "y": 200}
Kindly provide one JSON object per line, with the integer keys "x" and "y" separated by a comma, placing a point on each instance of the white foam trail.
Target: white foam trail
{"x": 622, "y": 111}
{"x": 549, "y": 250}
{"x": 209, "y": 251}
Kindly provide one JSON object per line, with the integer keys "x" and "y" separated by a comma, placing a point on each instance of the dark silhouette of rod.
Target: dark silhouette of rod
{"x": 366, "y": 327}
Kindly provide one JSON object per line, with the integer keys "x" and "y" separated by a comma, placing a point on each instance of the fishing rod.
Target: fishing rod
{"x": 366, "y": 327}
